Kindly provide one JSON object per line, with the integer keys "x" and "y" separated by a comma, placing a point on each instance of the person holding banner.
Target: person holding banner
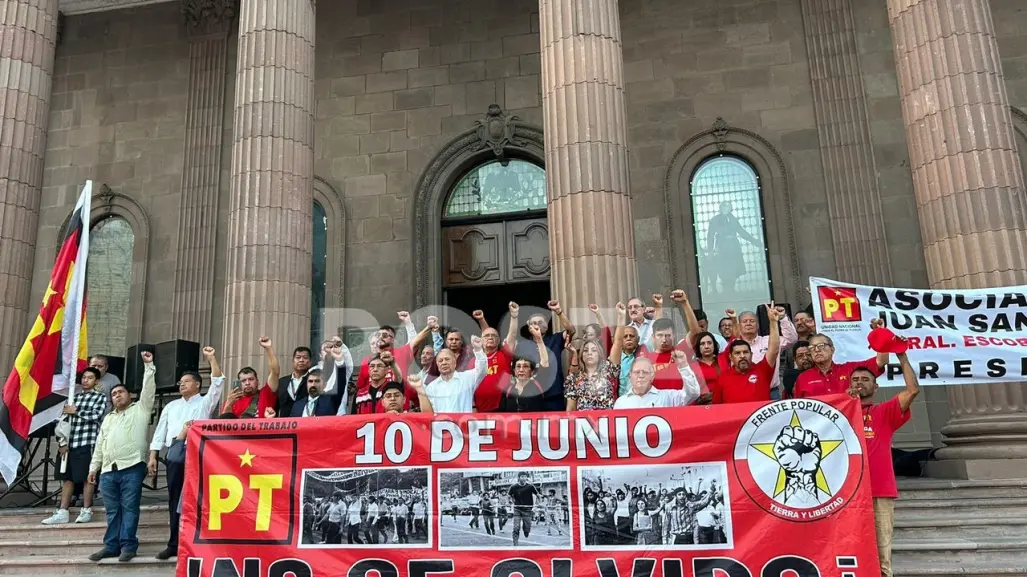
{"x": 827, "y": 377}
{"x": 595, "y": 386}
{"x": 880, "y": 421}
{"x": 453, "y": 391}
{"x": 644, "y": 395}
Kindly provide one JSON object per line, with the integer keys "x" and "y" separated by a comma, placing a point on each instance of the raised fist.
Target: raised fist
{"x": 621, "y": 308}
{"x": 798, "y": 450}
{"x": 208, "y": 353}
{"x": 876, "y": 323}
{"x": 265, "y": 342}
{"x": 680, "y": 358}
{"x": 147, "y": 357}
{"x": 478, "y": 315}
{"x": 433, "y": 323}
{"x": 269, "y": 412}
{"x": 657, "y": 300}
{"x": 536, "y": 332}
{"x": 476, "y": 343}
{"x": 679, "y": 296}
{"x": 337, "y": 352}
{"x": 594, "y": 308}
{"x": 731, "y": 314}
{"x": 404, "y": 316}
{"x": 514, "y": 309}
{"x": 415, "y": 383}
{"x": 650, "y": 312}
{"x": 386, "y": 357}
{"x": 554, "y": 305}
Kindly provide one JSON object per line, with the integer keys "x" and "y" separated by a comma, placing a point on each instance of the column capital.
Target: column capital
{"x": 206, "y": 17}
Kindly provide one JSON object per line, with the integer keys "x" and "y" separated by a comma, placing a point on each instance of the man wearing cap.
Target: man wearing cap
{"x": 826, "y": 376}
{"x": 880, "y": 421}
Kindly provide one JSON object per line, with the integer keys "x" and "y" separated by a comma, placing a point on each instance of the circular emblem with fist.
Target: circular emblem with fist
{"x": 799, "y": 459}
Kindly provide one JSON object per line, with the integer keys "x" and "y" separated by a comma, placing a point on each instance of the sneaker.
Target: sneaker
{"x": 60, "y": 517}
{"x": 102, "y": 554}
{"x": 126, "y": 556}
{"x": 84, "y": 516}
{"x": 166, "y": 554}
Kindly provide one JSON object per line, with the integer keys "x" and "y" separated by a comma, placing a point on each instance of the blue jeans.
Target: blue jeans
{"x": 121, "y": 492}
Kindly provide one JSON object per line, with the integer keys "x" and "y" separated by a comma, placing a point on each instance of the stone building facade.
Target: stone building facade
{"x": 215, "y": 126}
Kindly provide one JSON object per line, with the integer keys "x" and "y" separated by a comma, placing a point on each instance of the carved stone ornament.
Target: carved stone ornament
{"x": 209, "y": 16}
{"x": 105, "y": 198}
{"x": 497, "y": 131}
{"x": 719, "y": 131}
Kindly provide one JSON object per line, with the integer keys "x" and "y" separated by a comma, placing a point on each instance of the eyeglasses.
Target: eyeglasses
{"x": 820, "y": 347}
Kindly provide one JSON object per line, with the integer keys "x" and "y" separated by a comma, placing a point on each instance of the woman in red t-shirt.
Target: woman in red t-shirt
{"x": 707, "y": 364}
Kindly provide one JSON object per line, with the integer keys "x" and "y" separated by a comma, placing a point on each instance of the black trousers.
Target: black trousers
{"x": 176, "y": 479}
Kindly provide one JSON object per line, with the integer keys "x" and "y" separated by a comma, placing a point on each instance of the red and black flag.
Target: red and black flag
{"x": 54, "y": 352}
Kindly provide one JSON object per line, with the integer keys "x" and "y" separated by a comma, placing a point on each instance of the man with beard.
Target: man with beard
{"x": 880, "y": 421}
{"x": 317, "y": 403}
{"x": 251, "y": 400}
{"x": 826, "y": 376}
{"x": 746, "y": 328}
{"x": 805, "y": 326}
{"x": 107, "y": 380}
{"x": 802, "y": 360}
{"x": 744, "y": 380}
{"x": 177, "y": 415}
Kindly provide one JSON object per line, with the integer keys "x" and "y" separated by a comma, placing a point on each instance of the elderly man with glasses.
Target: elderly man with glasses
{"x": 643, "y": 395}
{"x": 828, "y": 377}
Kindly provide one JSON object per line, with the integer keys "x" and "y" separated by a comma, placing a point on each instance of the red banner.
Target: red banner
{"x": 730, "y": 490}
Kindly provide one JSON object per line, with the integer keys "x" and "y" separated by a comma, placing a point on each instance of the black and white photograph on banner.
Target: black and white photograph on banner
{"x": 677, "y": 506}
{"x": 385, "y": 507}
{"x": 505, "y": 508}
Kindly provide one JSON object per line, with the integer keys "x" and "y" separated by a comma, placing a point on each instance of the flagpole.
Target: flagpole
{"x": 75, "y": 298}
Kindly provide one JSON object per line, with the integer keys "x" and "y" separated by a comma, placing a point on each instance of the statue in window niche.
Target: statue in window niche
{"x": 724, "y": 258}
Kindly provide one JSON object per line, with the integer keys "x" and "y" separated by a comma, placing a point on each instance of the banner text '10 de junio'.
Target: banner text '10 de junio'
{"x": 738, "y": 490}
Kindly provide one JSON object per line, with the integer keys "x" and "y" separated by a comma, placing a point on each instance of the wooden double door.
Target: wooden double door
{"x": 495, "y": 253}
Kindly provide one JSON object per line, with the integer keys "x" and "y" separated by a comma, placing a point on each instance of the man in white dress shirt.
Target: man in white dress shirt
{"x": 643, "y": 395}
{"x": 176, "y": 416}
{"x": 453, "y": 392}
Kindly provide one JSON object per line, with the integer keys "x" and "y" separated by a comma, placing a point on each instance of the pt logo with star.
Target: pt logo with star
{"x": 247, "y": 483}
{"x": 799, "y": 459}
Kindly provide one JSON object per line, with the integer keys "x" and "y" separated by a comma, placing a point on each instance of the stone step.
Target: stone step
{"x": 69, "y": 547}
{"x": 1010, "y": 551}
{"x": 30, "y": 515}
{"x": 925, "y": 489}
{"x": 93, "y": 530}
{"x": 980, "y": 507}
{"x": 144, "y": 564}
{"x": 921, "y": 527}
{"x": 938, "y": 568}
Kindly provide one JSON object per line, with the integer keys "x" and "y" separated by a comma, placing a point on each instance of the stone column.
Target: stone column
{"x": 969, "y": 188}
{"x": 208, "y": 22}
{"x": 270, "y": 227}
{"x": 28, "y": 34}
{"x": 591, "y": 238}
{"x": 850, "y": 173}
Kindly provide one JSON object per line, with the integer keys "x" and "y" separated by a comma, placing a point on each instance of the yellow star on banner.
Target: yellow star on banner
{"x": 826, "y": 447}
{"x": 48, "y": 294}
{"x": 246, "y": 459}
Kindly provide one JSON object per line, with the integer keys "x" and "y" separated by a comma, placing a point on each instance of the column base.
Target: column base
{"x": 977, "y": 469}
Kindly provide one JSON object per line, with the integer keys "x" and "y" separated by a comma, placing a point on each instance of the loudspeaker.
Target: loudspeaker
{"x": 133, "y": 378}
{"x": 764, "y": 322}
{"x": 174, "y": 358}
{"x": 116, "y": 366}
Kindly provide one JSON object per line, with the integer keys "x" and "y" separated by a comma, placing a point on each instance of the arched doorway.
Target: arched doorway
{"x": 495, "y": 235}
{"x": 480, "y": 229}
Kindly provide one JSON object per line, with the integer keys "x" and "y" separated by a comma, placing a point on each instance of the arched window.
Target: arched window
{"x": 730, "y": 240}
{"x": 498, "y": 187}
{"x": 109, "y": 285}
{"x": 319, "y": 275}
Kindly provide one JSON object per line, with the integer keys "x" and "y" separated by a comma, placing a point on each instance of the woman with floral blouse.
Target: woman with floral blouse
{"x": 594, "y": 386}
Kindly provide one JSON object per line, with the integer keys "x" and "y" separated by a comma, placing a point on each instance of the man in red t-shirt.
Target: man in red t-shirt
{"x": 741, "y": 380}
{"x": 660, "y": 351}
{"x": 489, "y": 392}
{"x": 250, "y": 400}
{"x": 880, "y": 421}
{"x": 403, "y": 357}
{"x": 827, "y": 377}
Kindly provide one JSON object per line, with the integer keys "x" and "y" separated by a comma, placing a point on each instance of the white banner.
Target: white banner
{"x": 956, "y": 337}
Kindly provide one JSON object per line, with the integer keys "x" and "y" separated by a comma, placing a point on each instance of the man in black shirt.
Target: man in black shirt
{"x": 523, "y": 497}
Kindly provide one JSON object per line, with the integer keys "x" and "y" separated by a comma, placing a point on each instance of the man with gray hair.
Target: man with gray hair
{"x": 636, "y": 319}
{"x": 827, "y": 377}
{"x": 107, "y": 380}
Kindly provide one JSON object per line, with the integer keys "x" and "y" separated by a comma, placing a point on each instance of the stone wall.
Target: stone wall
{"x": 1011, "y": 29}
{"x": 395, "y": 82}
{"x": 116, "y": 116}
